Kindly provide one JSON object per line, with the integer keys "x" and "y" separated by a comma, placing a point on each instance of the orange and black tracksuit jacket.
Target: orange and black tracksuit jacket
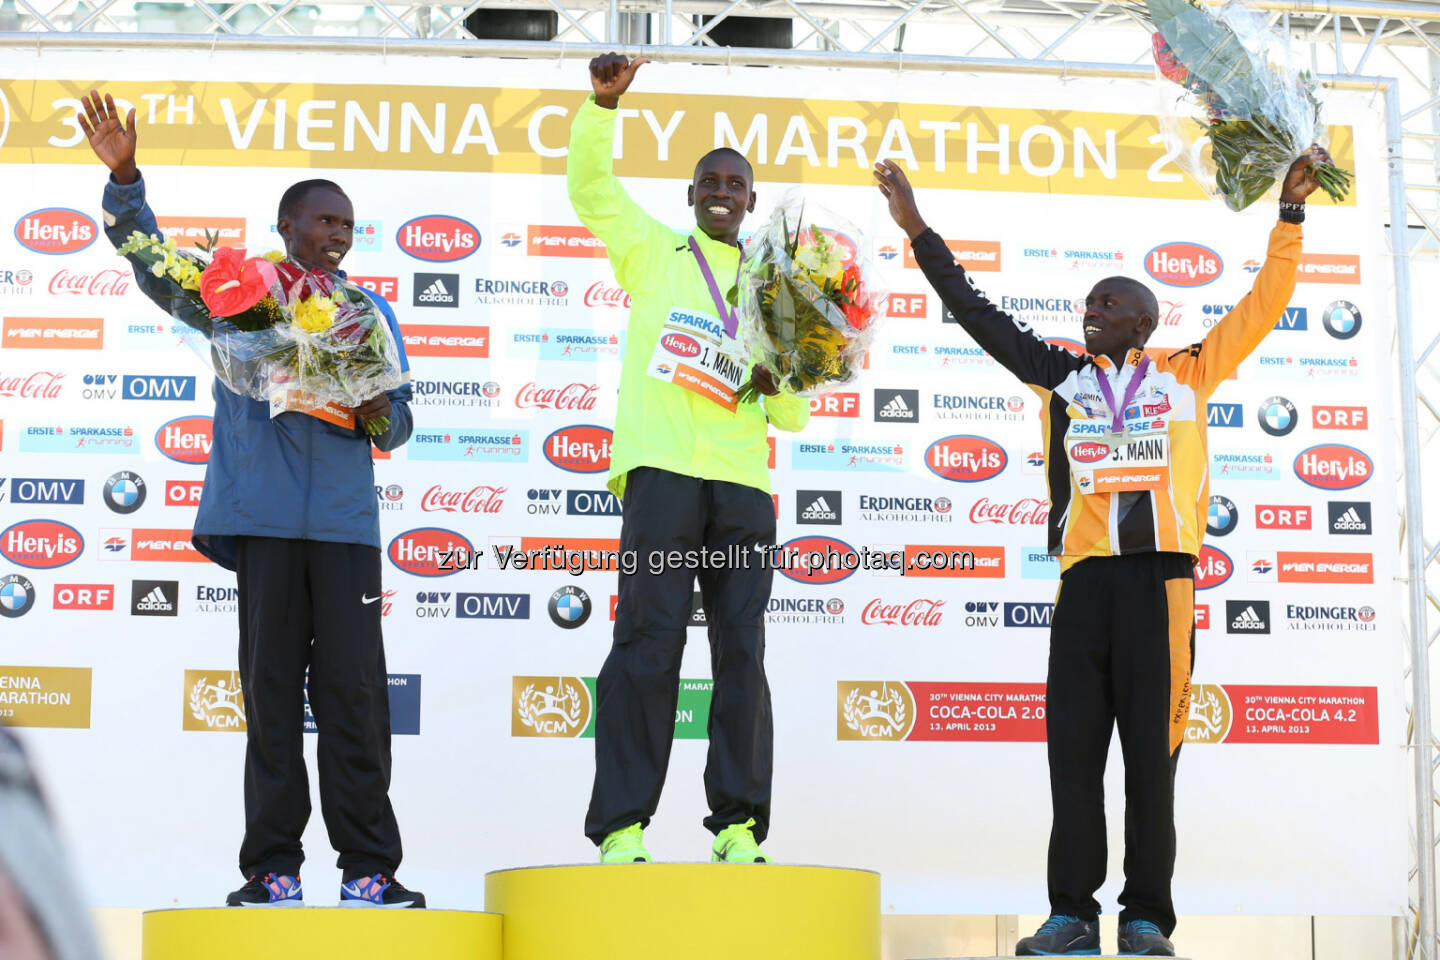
{"x": 1127, "y": 523}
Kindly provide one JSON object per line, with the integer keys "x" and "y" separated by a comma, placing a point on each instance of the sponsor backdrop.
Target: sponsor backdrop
{"x": 909, "y": 710}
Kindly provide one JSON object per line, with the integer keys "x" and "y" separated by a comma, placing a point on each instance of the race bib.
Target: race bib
{"x": 694, "y": 353}
{"x": 288, "y": 399}
{"x": 1101, "y": 462}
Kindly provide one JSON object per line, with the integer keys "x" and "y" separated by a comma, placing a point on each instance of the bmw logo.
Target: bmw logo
{"x": 1277, "y": 416}
{"x": 1222, "y": 517}
{"x": 17, "y": 596}
{"x": 124, "y": 492}
{"x": 569, "y": 607}
{"x": 1342, "y": 319}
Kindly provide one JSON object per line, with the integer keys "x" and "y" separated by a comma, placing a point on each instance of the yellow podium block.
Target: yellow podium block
{"x": 244, "y": 933}
{"x": 695, "y": 911}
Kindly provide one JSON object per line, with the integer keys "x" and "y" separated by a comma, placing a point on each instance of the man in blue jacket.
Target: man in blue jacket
{"x": 289, "y": 505}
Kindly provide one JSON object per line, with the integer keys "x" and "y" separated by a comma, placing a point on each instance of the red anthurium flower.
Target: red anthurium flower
{"x": 233, "y": 284}
{"x": 1170, "y": 66}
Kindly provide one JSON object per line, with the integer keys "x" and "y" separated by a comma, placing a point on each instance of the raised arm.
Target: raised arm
{"x": 1014, "y": 345}
{"x": 597, "y": 196}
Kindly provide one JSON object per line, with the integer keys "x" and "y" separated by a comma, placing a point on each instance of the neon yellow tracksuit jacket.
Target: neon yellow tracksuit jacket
{"x": 659, "y": 424}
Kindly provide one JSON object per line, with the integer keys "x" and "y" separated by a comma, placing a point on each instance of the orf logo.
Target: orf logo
{"x": 56, "y": 230}
{"x": 680, "y": 345}
{"x": 431, "y": 552}
{"x": 583, "y": 448}
{"x": 1333, "y": 466}
{"x": 818, "y": 560}
{"x": 1089, "y": 452}
{"x": 186, "y": 439}
{"x": 438, "y": 238}
{"x": 1213, "y": 568}
{"x": 1183, "y": 264}
{"x": 41, "y": 544}
{"x": 965, "y": 459}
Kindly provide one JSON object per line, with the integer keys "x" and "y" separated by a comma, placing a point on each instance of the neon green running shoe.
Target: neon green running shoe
{"x": 736, "y": 844}
{"x": 625, "y": 846}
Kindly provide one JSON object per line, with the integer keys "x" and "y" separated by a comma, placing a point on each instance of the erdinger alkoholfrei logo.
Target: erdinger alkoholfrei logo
{"x": 1210, "y": 714}
{"x": 874, "y": 710}
{"x": 549, "y": 707}
{"x": 214, "y": 701}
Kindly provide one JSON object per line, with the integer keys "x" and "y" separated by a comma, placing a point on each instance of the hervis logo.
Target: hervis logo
{"x": 1212, "y": 568}
{"x": 549, "y": 707}
{"x": 873, "y": 710}
{"x": 817, "y": 560}
{"x": 438, "y": 238}
{"x": 41, "y": 544}
{"x": 56, "y": 230}
{"x": 186, "y": 439}
{"x": 1333, "y": 466}
{"x": 1183, "y": 264}
{"x": 680, "y": 345}
{"x": 1210, "y": 714}
{"x": 965, "y": 459}
{"x": 580, "y": 448}
{"x": 1089, "y": 452}
{"x": 214, "y": 701}
{"x": 430, "y": 552}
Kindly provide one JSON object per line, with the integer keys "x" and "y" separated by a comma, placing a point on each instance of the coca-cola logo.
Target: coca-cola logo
{"x": 1089, "y": 452}
{"x": 478, "y": 499}
{"x": 41, "y": 385}
{"x": 572, "y": 396}
{"x": 1027, "y": 510}
{"x": 680, "y": 345}
{"x": 103, "y": 283}
{"x": 916, "y": 613}
{"x": 601, "y": 294}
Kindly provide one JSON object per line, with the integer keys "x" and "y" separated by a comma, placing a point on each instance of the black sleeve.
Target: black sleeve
{"x": 1013, "y": 344}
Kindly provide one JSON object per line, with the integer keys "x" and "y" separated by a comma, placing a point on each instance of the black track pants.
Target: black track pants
{"x": 303, "y": 604}
{"x": 1121, "y": 645}
{"x": 639, "y": 684}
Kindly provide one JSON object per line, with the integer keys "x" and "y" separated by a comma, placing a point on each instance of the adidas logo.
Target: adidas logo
{"x": 1350, "y": 520}
{"x": 436, "y": 293}
{"x": 819, "y": 509}
{"x": 1247, "y": 620}
{"x": 896, "y": 409}
{"x": 154, "y": 602}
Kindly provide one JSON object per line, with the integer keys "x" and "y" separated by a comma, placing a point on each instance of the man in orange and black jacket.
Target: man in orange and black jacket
{"x": 1127, "y": 468}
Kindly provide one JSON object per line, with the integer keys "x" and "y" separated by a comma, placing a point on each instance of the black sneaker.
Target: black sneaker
{"x": 1062, "y": 936}
{"x": 379, "y": 891}
{"x": 1141, "y": 938}
{"x": 271, "y": 890}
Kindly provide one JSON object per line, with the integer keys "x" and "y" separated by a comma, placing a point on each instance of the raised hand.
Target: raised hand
{"x": 610, "y": 75}
{"x": 112, "y": 141}
{"x": 896, "y": 186}
{"x": 1301, "y": 179}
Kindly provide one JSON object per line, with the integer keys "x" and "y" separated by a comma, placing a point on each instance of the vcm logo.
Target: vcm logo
{"x": 4, "y": 118}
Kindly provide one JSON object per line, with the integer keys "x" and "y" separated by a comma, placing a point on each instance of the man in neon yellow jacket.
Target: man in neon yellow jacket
{"x": 692, "y": 468}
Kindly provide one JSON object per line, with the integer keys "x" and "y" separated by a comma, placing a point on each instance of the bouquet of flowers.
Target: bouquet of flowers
{"x": 1258, "y": 112}
{"x": 807, "y": 301}
{"x": 295, "y": 338}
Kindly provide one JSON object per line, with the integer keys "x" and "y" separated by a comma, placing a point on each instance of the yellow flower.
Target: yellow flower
{"x": 315, "y": 314}
{"x": 158, "y": 268}
{"x": 274, "y": 256}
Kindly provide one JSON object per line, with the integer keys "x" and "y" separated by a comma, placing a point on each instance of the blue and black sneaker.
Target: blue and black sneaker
{"x": 271, "y": 890}
{"x": 1062, "y": 936}
{"x": 1141, "y": 938}
{"x": 379, "y": 891}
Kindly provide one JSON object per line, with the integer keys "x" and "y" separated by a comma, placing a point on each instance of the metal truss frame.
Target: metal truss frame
{"x": 1346, "y": 42}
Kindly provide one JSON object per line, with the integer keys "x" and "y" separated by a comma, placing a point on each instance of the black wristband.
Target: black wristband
{"x": 1292, "y": 212}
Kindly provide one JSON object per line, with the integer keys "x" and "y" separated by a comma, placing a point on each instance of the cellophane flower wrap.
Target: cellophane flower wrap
{"x": 275, "y": 329}
{"x": 808, "y": 298}
{"x": 1236, "y": 81}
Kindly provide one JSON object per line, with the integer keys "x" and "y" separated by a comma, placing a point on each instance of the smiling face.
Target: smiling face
{"x": 722, "y": 194}
{"x": 1119, "y": 314}
{"x": 319, "y": 230}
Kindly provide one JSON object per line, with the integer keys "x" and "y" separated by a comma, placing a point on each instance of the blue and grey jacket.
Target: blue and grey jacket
{"x": 294, "y": 476}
